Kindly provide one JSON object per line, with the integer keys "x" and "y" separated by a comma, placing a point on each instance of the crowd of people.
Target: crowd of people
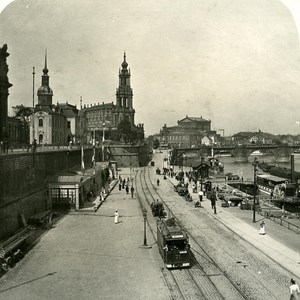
{"x": 127, "y": 185}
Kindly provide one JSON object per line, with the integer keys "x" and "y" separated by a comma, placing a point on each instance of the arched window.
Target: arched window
{"x": 41, "y": 122}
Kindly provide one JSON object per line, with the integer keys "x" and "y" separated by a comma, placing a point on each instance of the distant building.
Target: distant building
{"x": 247, "y": 137}
{"x": 63, "y": 123}
{"x": 207, "y": 141}
{"x": 104, "y": 118}
{"x": 48, "y": 123}
{"x": 73, "y": 122}
{"x": 189, "y": 132}
{"x": 18, "y": 131}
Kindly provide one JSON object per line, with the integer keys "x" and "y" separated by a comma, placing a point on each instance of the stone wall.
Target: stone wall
{"x": 23, "y": 184}
{"x": 24, "y": 177}
{"x": 127, "y": 155}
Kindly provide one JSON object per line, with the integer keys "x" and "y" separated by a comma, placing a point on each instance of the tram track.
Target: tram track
{"x": 241, "y": 270}
{"x": 225, "y": 262}
{"x": 220, "y": 277}
{"x": 205, "y": 263}
{"x": 171, "y": 283}
{"x": 194, "y": 283}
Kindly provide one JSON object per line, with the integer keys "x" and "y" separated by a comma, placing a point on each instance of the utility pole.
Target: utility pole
{"x": 103, "y": 140}
{"x": 255, "y": 165}
{"x": 94, "y": 151}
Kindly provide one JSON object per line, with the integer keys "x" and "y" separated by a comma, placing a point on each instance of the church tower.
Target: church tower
{"x": 124, "y": 94}
{"x": 45, "y": 93}
{"x": 48, "y": 123}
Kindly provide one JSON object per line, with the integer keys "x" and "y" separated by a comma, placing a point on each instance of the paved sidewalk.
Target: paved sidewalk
{"x": 279, "y": 243}
{"x": 88, "y": 256}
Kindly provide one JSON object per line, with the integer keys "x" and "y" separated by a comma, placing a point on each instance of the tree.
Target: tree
{"x": 22, "y": 112}
{"x": 156, "y": 143}
{"x": 124, "y": 130}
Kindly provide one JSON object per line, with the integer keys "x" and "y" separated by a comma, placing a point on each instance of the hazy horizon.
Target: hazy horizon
{"x": 236, "y": 63}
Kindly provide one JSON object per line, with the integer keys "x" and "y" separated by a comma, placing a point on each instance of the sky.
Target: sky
{"x": 234, "y": 62}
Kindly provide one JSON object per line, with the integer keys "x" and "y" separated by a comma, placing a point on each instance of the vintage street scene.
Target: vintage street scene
{"x": 149, "y": 149}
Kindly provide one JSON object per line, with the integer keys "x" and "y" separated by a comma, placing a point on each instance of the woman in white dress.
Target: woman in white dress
{"x": 294, "y": 290}
{"x": 116, "y": 217}
{"x": 262, "y": 229}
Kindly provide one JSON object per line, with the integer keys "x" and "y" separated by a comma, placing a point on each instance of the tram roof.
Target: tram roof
{"x": 172, "y": 232}
{"x": 272, "y": 177}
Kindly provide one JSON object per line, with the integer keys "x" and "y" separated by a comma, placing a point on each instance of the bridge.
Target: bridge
{"x": 281, "y": 153}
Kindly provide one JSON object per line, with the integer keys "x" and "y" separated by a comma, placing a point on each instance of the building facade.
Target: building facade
{"x": 73, "y": 122}
{"x": 248, "y": 137}
{"x": 189, "y": 132}
{"x": 63, "y": 123}
{"x": 100, "y": 121}
{"x": 48, "y": 124}
{"x": 18, "y": 132}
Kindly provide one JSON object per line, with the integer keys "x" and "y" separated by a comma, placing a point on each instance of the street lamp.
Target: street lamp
{"x": 202, "y": 172}
{"x": 145, "y": 220}
{"x": 67, "y": 161}
{"x": 183, "y": 159}
{"x": 255, "y": 166}
{"x": 103, "y": 139}
{"x": 94, "y": 151}
{"x": 145, "y": 246}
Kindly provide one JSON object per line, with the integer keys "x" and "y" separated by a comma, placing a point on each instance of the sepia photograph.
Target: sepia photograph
{"x": 149, "y": 149}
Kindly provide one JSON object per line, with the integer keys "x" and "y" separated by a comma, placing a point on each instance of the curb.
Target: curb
{"x": 111, "y": 187}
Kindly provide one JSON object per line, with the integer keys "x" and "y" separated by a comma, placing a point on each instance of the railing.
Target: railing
{"x": 47, "y": 148}
{"x": 278, "y": 216}
{"x": 43, "y": 148}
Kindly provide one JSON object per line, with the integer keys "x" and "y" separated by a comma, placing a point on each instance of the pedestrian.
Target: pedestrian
{"x": 5, "y": 146}
{"x": 262, "y": 229}
{"x": 34, "y": 146}
{"x": 116, "y": 217}
{"x": 102, "y": 197}
{"x": 213, "y": 201}
{"x": 294, "y": 290}
{"x": 157, "y": 181}
{"x": 194, "y": 188}
{"x": 198, "y": 204}
{"x": 132, "y": 191}
{"x": 120, "y": 186}
{"x": 127, "y": 189}
{"x": 200, "y": 194}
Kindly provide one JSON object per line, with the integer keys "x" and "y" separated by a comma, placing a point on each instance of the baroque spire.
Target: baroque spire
{"x": 45, "y": 71}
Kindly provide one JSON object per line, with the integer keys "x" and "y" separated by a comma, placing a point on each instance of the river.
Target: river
{"x": 246, "y": 169}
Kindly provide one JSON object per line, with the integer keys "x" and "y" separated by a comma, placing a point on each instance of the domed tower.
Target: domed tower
{"x": 45, "y": 93}
{"x": 124, "y": 95}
